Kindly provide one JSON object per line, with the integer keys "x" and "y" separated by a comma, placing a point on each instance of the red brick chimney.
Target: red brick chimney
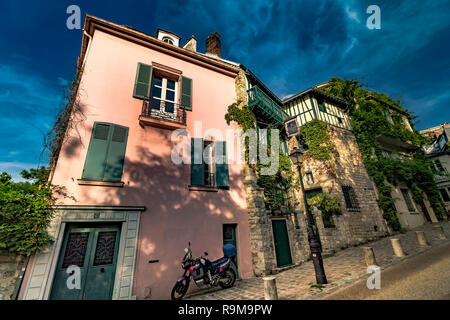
{"x": 213, "y": 45}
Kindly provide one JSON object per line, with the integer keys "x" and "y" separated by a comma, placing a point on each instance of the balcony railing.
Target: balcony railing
{"x": 256, "y": 97}
{"x": 163, "y": 112}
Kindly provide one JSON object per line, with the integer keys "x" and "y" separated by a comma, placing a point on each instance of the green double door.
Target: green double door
{"x": 281, "y": 241}
{"x": 89, "y": 253}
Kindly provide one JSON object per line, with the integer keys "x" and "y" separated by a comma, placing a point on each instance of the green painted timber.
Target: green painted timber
{"x": 258, "y": 99}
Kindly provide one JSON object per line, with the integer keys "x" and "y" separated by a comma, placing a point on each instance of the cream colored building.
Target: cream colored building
{"x": 438, "y": 153}
{"x": 409, "y": 213}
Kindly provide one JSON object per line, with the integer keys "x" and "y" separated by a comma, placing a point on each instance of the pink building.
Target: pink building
{"x": 127, "y": 202}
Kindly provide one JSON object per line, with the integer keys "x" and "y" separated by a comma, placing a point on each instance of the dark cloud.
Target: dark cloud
{"x": 290, "y": 45}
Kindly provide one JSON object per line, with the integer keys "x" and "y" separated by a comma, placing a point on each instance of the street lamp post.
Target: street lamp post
{"x": 314, "y": 245}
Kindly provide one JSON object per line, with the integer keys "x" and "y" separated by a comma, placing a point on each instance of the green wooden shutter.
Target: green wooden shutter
{"x": 142, "y": 81}
{"x": 186, "y": 93}
{"x": 116, "y": 154}
{"x": 222, "y": 175}
{"x": 94, "y": 165}
{"x": 197, "y": 163}
{"x": 322, "y": 107}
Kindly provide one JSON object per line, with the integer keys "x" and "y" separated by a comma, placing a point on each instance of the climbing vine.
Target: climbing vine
{"x": 279, "y": 186}
{"x": 370, "y": 114}
{"x": 243, "y": 116}
{"x": 315, "y": 136}
{"x": 69, "y": 116}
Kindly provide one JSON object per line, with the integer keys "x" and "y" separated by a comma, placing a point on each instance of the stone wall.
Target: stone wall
{"x": 10, "y": 270}
{"x": 261, "y": 234}
{"x": 351, "y": 227}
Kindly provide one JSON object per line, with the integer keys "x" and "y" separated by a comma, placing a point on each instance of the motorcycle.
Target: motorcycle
{"x": 204, "y": 272}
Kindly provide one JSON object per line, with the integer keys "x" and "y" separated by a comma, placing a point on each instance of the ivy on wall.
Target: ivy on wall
{"x": 68, "y": 118}
{"x": 369, "y": 113}
{"x": 279, "y": 186}
{"x": 315, "y": 136}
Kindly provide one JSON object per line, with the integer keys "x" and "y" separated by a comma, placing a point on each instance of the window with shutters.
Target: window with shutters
{"x": 166, "y": 95}
{"x": 106, "y": 153}
{"x": 209, "y": 165}
{"x": 321, "y": 104}
{"x": 208, "y": 152}
{"x": 351, "y": 201}
{"x": 408, "y": 200}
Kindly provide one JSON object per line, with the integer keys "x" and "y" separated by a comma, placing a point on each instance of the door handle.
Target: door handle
{"x": 102, "y": 270}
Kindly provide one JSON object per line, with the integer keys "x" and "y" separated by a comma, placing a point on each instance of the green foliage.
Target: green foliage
{"x": 26, "y": 209}
{"x": 68, "y": 117}
{"x": 278, "y": 187}
{"x": 244, "y": 117}
{"x": 316, "y": 135}
{"x": 368, "y": 111}
{"x": 326, "y": 203}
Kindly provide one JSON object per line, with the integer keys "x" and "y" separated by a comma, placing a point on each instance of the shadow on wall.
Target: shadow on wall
{"x": 174, "y": 215}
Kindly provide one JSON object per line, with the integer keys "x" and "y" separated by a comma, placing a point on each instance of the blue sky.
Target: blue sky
{"x": 289, "y": 45}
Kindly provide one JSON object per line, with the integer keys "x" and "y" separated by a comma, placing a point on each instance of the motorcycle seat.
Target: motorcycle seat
{"x": 218, "y": 262}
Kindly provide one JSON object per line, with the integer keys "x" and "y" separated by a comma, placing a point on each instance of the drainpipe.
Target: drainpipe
{"x": 88, "y": 47}
{"x": 19, "y": 283}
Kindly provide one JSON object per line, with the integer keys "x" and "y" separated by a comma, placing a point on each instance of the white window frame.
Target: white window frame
{"x": 163, "y": 97}
{"x": 168, "y": 40}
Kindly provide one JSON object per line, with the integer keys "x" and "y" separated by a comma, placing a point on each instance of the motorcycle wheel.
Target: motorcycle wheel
{"x": 228, "y": 279}
{"x": 179, "y": 290}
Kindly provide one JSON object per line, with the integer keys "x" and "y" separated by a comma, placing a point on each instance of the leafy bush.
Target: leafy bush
{"x": 26, "y": 209}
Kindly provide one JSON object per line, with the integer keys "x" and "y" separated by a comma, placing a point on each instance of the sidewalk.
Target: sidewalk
{"x": 341, "y": 269}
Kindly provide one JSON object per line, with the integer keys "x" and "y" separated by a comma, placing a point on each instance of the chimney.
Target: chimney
{"x": 191, "y": 44}
{"x": 213, "y": 45}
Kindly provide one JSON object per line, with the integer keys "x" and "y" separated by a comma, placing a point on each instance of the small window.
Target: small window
{"x": 327, "y": 219}
{"x": 309, "y": 177}
{"x": 350, "y": 198}
{"x": 339, "y": 119}
{"x": 444, "y": 195}
{"x": 439, "y": 166}
{"x": 407, "y": 199}
{"x": 322, "y": 107}
{"x": 168, "y": 40}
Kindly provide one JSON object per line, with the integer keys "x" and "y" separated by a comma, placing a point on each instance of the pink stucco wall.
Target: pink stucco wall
{"x": 174, "y": 215}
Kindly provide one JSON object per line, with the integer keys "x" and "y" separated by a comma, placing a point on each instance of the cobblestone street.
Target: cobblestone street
{"x": 343, "y": 268}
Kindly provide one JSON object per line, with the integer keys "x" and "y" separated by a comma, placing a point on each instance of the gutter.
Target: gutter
{"x": 88, "y": 47}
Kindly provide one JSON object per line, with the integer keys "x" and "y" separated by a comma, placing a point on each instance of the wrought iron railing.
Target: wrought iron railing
{"x": 257, "y": 97}
{"x": 164, "y": 110}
